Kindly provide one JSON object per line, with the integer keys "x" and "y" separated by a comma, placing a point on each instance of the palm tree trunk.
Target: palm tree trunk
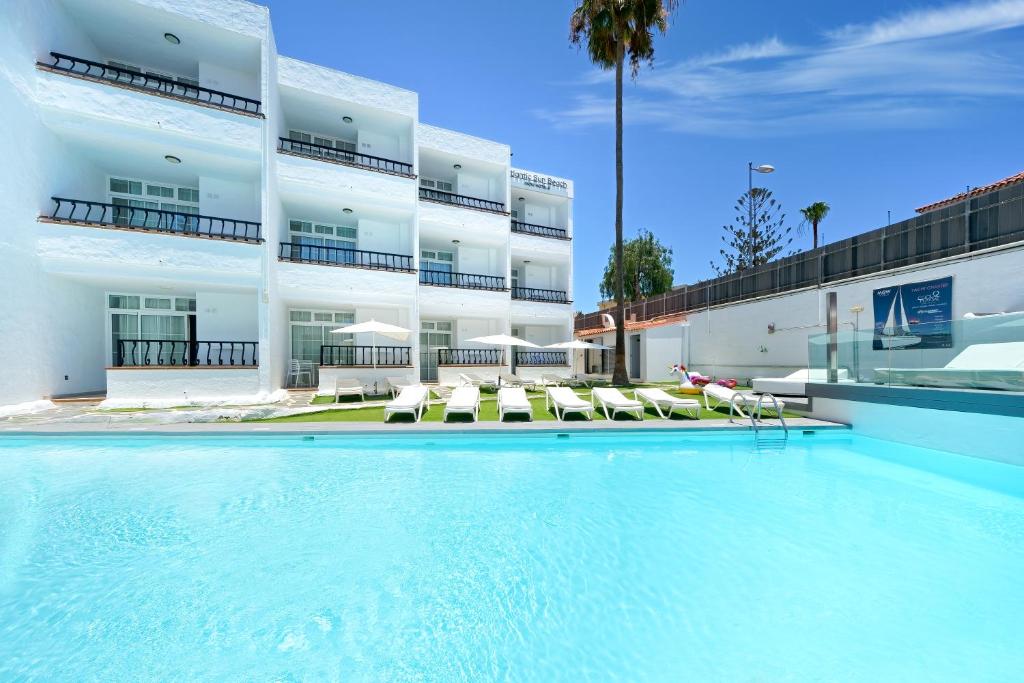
{"x": 815, "y": 224}
{"x": 619, "y": 375}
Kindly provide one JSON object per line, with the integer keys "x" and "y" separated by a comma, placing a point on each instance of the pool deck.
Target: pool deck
{"x": 327, "y": 428}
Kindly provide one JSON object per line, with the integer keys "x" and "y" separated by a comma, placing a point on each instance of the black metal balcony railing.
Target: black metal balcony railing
{"x": 160, "y": 85}
{"x": 470, "y": 357}
{"x": 353, "y": 258}
{"x": 541, "y": 230}
{"x": 365, "y": 356}
{"x": 461, "y": 200}
{"x": 165, "y": 352}
{"x": 439, "y": 278}
{"x": 340, "y": 156}
{"x": 157, "y": 220}
{"x": 551, "y": 296}
{"x": 543, "y": 358}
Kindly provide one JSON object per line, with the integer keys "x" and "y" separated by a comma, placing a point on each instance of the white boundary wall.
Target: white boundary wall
{"x": 733, "y": 340}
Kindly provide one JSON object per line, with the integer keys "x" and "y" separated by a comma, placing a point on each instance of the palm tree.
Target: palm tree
{"x": 815, "y": 214}
{"x": 613, "y": 30}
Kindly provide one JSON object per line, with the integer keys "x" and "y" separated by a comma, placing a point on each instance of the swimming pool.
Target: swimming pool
{"x": 624, "y": 556}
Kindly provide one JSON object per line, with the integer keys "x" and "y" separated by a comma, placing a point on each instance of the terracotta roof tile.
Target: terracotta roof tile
{"x": 634, "y": 326}
{"x": 1009, "y": 180}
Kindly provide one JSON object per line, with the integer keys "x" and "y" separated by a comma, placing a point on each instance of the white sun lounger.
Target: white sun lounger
{"x": 794, "y": 384}
{"x": 607, "y": 396}
{"x": 471, "y": 379}
{"x": 566, "y": 400}
{"x": 509, "y": 379}
{"x": 464, "y": 401}
{"x": 513, "y": 400}
{"x": 665, "y": 403}
{"x": 549, "y": 379}
{"x": 411, "y": 400}
{"x": 348, "y": 387}
{"x": 396, "y": 384}
{"x": 734, "y": 399}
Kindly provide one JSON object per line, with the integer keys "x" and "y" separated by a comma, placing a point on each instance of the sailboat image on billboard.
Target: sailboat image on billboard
{"x": 896, "y": 333}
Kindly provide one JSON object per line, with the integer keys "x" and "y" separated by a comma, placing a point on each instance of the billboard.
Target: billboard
{"x": 914, "y": 316}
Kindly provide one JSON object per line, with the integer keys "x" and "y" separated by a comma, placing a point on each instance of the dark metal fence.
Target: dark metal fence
{"x": 440, "y": 278}
{"x": 157, "y": 220}
{"x": 989, "y": 220}
{"x": 551, "y": 296}
{"x": 470, "y": 357}
{"x": 541, "y": 230}
{"x": 542, "y": 358}
{"x": 341, "y": 156}
{"x": 165, "y": 352}
{"x": 336, "y": 256}
{"x": 84, "y": 68}
{"x": 365, "y": 356}
{"x": 461, "y": 200}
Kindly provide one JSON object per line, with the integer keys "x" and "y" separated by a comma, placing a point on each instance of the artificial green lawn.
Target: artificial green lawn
{"x": 488, "y": 413}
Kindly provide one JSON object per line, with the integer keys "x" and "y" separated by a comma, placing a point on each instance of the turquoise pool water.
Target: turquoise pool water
{"x": 609, "y": 557}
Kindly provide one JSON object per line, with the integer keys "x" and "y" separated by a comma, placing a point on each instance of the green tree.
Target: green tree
{"x": 613, "y": 30}
{"x": 814, "y": 214}
{"x": 751, "y": 244}
{"x": 647, "y": 265}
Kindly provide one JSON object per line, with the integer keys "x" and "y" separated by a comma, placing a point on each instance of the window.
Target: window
{"x": 148, "y": 318}
{"x": 434, "y": 184}
{"x": 133, "y": 69}
{"x": 312, "y": 235}
{"x": 340, "y": 144}
{"x": 141, "y": 194}
{"x": 309, "y": 330}
{"x": 515, "y": 282}
{"x": 436, "y": 267}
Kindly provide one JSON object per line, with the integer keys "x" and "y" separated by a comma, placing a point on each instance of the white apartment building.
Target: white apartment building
{"x": 188, "y": 215}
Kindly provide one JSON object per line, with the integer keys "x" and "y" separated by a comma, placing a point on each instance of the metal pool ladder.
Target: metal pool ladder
{"x": 756, "y": 423}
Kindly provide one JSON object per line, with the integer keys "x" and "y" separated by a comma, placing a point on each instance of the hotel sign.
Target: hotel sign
{"x": 536, "y": 181}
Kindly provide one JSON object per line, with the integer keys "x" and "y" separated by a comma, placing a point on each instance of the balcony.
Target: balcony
{"x": 453, "y": 199}
{"x": 82, "y": 212}
{"x": 311, "y": 150}
{"x": 548, "y": 296}
{"x": 539, "y": 230}
{"x": 160, "y": 86}
{"x": 541, "y": 358}
{"x": 437, "y": 278}
{"x": 348, "y": 258}
{"x": 365, "y": 356}
{"x": 470, "y": 357}
{"x": 144, "y": 353}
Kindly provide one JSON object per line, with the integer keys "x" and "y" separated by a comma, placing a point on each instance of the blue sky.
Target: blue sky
{"x": 870, "y": 106}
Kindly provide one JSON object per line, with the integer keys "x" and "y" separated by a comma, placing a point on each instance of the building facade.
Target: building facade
{"x": 192, "y": 215}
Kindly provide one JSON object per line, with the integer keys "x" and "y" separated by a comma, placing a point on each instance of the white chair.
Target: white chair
{"x": 509, "y": 379}
{"x": 661, "y": 399}
{"x": 295, "y": 373}
{"x": 513, "y": 400}
{"x": 411, "y": 400}
{"x": 348, "y": 387}
{"x": 619, "y": 403}
{"x": 396, "y": 384}
{"x": 551, "y": 380}
{"x": 566, "y": 399}
{"x": 463, "y": 401}
{"x": 471, "y": 379}
{"x": 736, "y": 400}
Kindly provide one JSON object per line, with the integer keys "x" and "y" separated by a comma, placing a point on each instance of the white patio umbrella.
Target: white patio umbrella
{"x": 503, "y": 340}
{"x": 577, "y": 344}
{"x": 374, "y": 327}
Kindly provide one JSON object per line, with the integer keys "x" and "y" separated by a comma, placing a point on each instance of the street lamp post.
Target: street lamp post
{"x": 856, "y": 310}
{"x": 763, "y": 168}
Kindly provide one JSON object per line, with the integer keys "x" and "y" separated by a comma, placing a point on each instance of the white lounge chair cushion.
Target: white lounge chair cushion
{"x": 564, "y": 396}
{"x": 989, "y": 357}
{"x": 615, "y": 398}
{"x": 655, "y": 395}
{"x": 410, "y": 397}
{"x": 463, "y": 398}
{"x": 514, "y": 399}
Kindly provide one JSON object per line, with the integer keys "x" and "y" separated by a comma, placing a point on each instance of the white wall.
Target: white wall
{"x": 661, "y": 349}
{"x": 224, "y": 316}
{"x": 229, "y": 199}
{"x": 380, "y": 145}
{"x": 726, "y": 341}
{"x": 233, "y": 82}
{"x": 385, "y": 237}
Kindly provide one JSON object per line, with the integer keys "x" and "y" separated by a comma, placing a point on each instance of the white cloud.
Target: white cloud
{"x": 919, "y": 68}
{"x": 974, "y": 17}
